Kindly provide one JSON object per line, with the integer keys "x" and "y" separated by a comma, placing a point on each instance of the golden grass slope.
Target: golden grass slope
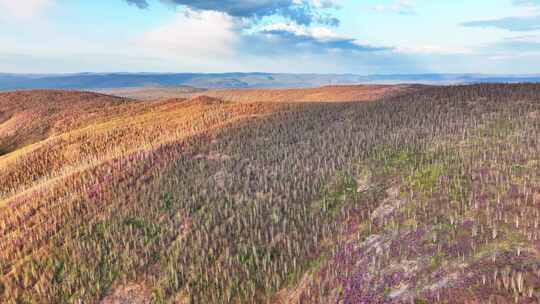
{"x": 152, "y": 93}
{"x": 338, "y": 93}
{"x": 59, "y": 148}
{"x": 73, "y": 159}
{"x": 114, "y": 128}
{"x": 334, "y": 93}
{"x": 27, "y": 117}
{"x": 429, "y": 197}
{"x": 111, "y": 142}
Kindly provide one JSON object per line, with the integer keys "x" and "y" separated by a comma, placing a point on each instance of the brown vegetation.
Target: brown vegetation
{"x": 341, "y": 93}
{"x": 337, "y": 93}
{"x": 427, "y": 196}
{"x": 152, "y": 93}
{"x": 27, "y": 117}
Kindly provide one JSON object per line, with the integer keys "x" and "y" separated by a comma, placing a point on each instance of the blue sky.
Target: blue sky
{"x": 300, "y": 36}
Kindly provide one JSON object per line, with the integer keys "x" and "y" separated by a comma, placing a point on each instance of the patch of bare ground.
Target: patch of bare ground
{"x": 203, "y": 99}
{"x": 135, "y": 293}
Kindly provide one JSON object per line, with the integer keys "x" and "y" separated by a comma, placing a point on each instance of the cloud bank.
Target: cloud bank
{"x": 22, "y": 9}
{"x": 402, "y": 7}
{"x": 529, "y": 21}
{"x": 318, "y": 39}
{"x": 515, "y": 24}
{"x": 303, "y": 12}
{"x": 217, "y": 30}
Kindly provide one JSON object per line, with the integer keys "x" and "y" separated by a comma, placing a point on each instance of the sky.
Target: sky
{"x": 289, "y": 36}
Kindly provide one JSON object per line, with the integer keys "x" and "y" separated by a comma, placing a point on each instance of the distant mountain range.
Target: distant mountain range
{"x": 236, "y": 80}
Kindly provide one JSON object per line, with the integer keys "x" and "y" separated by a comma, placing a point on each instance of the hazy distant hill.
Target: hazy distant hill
{"x": 235, "y": 80}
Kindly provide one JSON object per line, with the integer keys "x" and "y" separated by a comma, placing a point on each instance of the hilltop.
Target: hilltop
{"x": 341, "y": 93}
{"x": 153, "y": 93}
{"x": 27, "y": 117}
{"x": 423, "y": 195}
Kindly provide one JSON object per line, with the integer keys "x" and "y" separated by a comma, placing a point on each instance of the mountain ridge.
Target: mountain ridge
{"x": 9, "y": 81}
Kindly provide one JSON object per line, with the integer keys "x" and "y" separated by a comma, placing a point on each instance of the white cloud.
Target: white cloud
{"x": 325, "y": 3}
{"x": 322, "y": 38}
{"x": 399, "y": 6}
{"x": 434, "y": 50}
{"x": 513, "y": 56}
{"x": 527, "y": 11}
{"x": 22, "y": 9}
{"x": 288, "y": 27}
{"x": 524, "y": 38}
{"x": 193, "y": 34}
{"x": 319, "y": 33}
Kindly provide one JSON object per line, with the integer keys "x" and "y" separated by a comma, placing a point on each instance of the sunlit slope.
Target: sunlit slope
{"x": 44, "y": 184}
{"x": 430, "y": 197}
{"x": 136, "y": 127}
{"x": 338, "y": 93}
{"x": 27, "y": 117}
{"x": 153, "y": 93}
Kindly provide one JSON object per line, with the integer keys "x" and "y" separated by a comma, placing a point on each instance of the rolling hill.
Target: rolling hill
{"x": 342, "y": 93}
{"x": 100, "y": 81}
{"x": 31, "y": 116}
{"x": 322, "y": 94}
{"x": 153, "y": 93}
{"x": 424, "y": 195}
